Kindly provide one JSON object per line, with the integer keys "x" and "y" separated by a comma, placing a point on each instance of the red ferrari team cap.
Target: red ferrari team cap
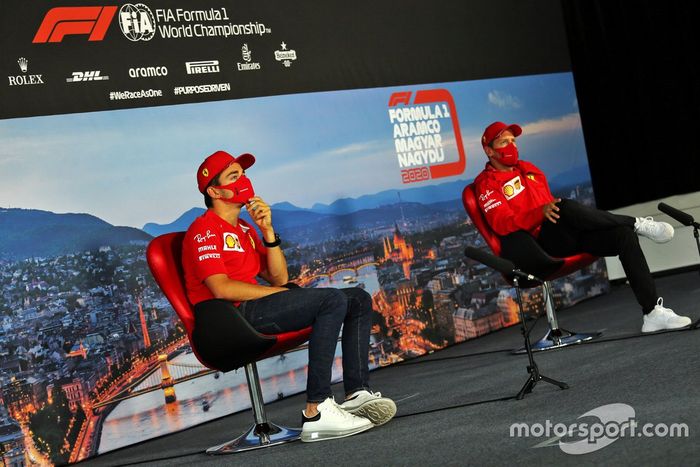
{"x": 494, "y": 130}
{"x": 214, "y": 164}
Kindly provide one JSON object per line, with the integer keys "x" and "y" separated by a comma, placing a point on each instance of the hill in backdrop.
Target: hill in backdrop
{"x": 27, "y": 233}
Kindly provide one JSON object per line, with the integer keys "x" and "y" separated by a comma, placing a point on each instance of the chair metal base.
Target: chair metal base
{"x": 561, "y": 338}
{"x": 258, "y": 436}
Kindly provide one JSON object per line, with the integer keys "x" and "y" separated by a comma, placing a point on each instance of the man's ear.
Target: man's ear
{"x": 213, "y": 194}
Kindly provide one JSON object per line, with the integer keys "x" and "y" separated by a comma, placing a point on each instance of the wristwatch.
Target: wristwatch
{"x": 273, "y": 244}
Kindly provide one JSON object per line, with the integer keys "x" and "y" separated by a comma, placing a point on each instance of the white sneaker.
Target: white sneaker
{"x": 331, "y": 422}
{"x": 660, "y": 232}
{"x": 371, "y": 405}
{"x": 662, "y": 318}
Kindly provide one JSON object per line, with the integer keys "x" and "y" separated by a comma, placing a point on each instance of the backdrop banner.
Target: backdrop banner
{"x": 63, "y": 57}
{"x": 366, "y": 128}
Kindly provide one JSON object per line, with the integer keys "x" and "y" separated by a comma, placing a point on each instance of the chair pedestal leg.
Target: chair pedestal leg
{"x": 258, "y": 436}
{"x": 263, "y": 433}
{"x": 557, "y": 337}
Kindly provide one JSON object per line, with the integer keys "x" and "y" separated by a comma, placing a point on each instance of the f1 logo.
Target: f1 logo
{"x": 62, "y": 21}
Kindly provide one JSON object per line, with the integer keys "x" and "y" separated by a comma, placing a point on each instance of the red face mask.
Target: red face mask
{"x": 509, "y": 155}
{"x": 242, "y": 190}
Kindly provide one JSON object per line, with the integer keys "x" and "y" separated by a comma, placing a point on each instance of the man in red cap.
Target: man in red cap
{"x": 222, "y": 256}
{"x": 515, "y": 198}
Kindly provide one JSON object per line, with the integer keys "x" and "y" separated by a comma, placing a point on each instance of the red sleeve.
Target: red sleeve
{"x": 502, "y": 219}
{"x": 205, "y": 252}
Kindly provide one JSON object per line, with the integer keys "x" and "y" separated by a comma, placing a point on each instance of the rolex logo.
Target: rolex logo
{"x": 24, "y": 78}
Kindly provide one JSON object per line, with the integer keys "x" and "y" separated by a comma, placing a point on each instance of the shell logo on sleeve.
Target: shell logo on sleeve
{"x": 513, "y": 187}
{"x": 231, "y": 242}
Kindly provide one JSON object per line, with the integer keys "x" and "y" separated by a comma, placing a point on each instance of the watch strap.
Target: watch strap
{"x": 272, "y": 244}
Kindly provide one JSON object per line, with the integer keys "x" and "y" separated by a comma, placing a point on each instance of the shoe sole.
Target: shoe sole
{"x": 323, "y": 435}
{"x": 651, "y": 331}
{"x": 378, "y": 411}
{"x": 659, "y": 240}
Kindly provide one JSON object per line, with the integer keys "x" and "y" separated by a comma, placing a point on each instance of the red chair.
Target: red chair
{"x": 164, "y": 255}
{"x": 555, "y": 337}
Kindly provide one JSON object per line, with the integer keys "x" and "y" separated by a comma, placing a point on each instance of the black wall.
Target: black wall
{"x": 635, "y": 67}
{"x": 340, "y": 45}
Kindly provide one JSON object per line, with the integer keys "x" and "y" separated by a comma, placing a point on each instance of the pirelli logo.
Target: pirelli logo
{"x": 203, "y": 66}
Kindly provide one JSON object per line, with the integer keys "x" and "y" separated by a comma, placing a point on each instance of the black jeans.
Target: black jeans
{"x": 582, "y": 229}
{"x": 325, "y": 310}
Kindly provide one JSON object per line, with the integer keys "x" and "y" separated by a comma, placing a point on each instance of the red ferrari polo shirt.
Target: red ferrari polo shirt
{"x": 213, "y": 246}
{"x": 513, "y": 200}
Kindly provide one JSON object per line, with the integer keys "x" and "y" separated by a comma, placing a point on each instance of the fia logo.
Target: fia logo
{"x": 137, "y": 22}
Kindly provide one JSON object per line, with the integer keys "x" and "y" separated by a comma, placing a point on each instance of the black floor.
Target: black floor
{"x": 444, "y": 417}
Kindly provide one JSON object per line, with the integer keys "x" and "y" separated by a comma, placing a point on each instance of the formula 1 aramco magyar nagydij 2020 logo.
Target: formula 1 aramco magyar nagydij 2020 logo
{"x": 426, "y": 134}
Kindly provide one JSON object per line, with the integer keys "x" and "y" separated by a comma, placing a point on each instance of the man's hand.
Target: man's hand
{"x": 260, "y": 212}
{"x": 276, "y": 273}
{"x": 550, "y": 211}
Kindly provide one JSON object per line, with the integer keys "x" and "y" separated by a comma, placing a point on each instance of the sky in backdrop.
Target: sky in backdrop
{"x": 130, "y": 167}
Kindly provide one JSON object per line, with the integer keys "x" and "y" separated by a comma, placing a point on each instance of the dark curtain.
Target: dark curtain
{"x": 635, "y": 66}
